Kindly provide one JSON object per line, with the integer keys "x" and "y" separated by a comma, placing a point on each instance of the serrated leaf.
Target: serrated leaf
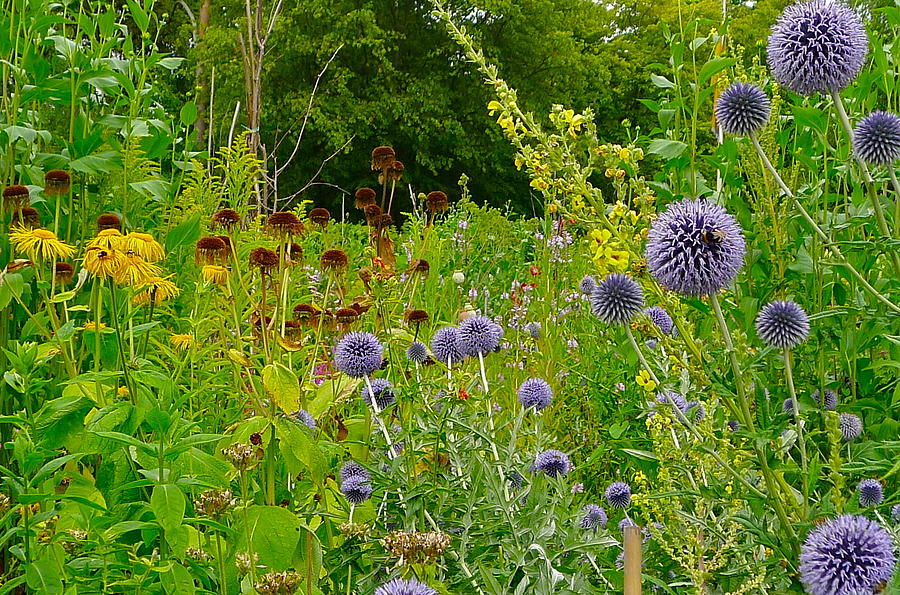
{"x": 282, "y": 385}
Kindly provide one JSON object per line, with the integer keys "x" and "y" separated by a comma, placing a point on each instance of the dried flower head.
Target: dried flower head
{"x": 618, "y": 494}
{"x": 552, "y": 462}
{"x": 782, "y": 324}
{"x": 358, "y": 354}
{"x": 292, "y": 251}
{"x": 478, "y": 335}
{"x": 446, "y": 346}
{"x": 876, "y": 139}
{"x": 16, "y": 197}
{"x": 214, "y": 504}
{"x": 372, "y": 212}
{"x": 617, "y": 299}
{"x": 870, "y": 493}
{"x": 415, "y": 317}
{"x": 420, "y": 266}
{"x": 26, "y": 217}
{"x": 695, "y": 248}
{"x": 382, "y": 221}
{"x": 346, "y": 315}
{"x": 278, "y": 583}
{"x": 225, "y": 219}
{"x": 241, "y": 455}
{"x": 305, "y": 312}
{"x": 39, "y": 244}
{"x": 535, "y": 393}
{"x": 334, "y": 260}
{"x": 399, "y": 586}
{"x": 395, "y": 171}
{"x": 109, "y": 221}
{"x": 283, "y": 224}
{"x": 320, "y": 216}
{"x": 437, "y": 202}
{"x": 263, "y": 259}
{"x": 63, "y": 272}
{"x": 817, "y": 46}
{"x": 848, "y": 555}
{"x": 363, "y": 198}
{"x": 56, "y": 182}
{"x": 382, "y": 158}
{"x": 850, "y": 425}
{"x": 210, "y": 250}
{"x": 593, "y": 516}
{"x": 743, "y": 109}
{"x": 413, "y": 547}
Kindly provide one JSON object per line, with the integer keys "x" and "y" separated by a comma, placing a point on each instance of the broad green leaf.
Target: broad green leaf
{"x": 669, "y": 149}
{"x": 714, "y": 66}
{"x": 168, "y": 503}
{"x": 298, "y": 447}
{"x": 188, "y": 113}
{"x": 186, "y": 232}
{"x": 282, "y": 385}
{"x": 661, "y": 81}
{"x": 177, "y": 581}
{"x": 43, "y": 576}
{"x": 274, "y": 533}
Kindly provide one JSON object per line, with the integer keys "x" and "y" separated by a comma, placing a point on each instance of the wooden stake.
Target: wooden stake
{"x": 632, "y": 561}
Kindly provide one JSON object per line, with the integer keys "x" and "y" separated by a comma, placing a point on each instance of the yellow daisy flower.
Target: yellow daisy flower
{"x": 123, "y": 391}
{"x": 157, "y": 289}
{"x": 109, "y": 239}
{"x": 145, "y": 246}
{"x": 103, "y": 262}
{"x": 135, "y": 271}
{"x": 644, "y": 380}
{"x": 40, "y": 244}
{"x": 215, "y": 274}
{"x": 181, "y": 342}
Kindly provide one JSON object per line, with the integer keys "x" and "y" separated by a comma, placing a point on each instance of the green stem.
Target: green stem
{"x": 804, "y": 465}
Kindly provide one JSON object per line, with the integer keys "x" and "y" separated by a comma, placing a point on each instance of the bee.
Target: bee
{"x": 715, "y": 236}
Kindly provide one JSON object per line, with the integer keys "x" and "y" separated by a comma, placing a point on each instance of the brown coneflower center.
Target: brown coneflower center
{"x": 334, "y": 260}
{"x": 108, "y": 221}
{"x": 320, "y": 216}
{"x": 210, "y": 249}
{"x": 304, "y": 312}
{"x": 225, "y": 219}
{"x": 437, "y": 202}
{"x": 263, "y": 258}
{"x": 284, "y": 224}
{"x": 364, "y": 197}
{"x": 415, "y": 317}
{"x": 382, "y": 158}
{"x": 346, "y": 315}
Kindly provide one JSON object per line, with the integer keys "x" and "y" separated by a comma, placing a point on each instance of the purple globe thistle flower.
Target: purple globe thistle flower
{"x": 668, "y": 398}
{"x": 398, "y": 586}
{"x": 618, "y": 494}
{"x": 552, "y": 462}
{"x": 417, "y": 352}
{"x": 477, "y": 334}
{"x": 353, "y": 469}
{"x": 358, "y": 354}
{"x": 446, "y": 346}
{"x": 625, "y": 523}
{"x": 851, "y": 426}
{"x": 516, "y": 479}
{"x": 533, "y": 329}
{"x": 587, "y": 285}
{"x": 788, "y": 405}
{"x": 304, "y": 417}
{"x": 695, "y": 248}
{"x": 383, "y": 391}
{"x": 661, "y": 319}
{"x": 356, "y": 490}
{"x": 742, "y": 109}
{"x": 695, "y": 411}
{"x": 829, "y": 401}
{"x": 870, "y": 493}
{"x": 617, "y": 299}
{"x": 535, "y": 392}
{"x": 895, "y": 513}
{"x": 817, "y": 46}
{"x": 593, "y": 516}
{"x": 876, "y": 139}
{"x": 733, "y": 425}
{"x": 848, "y": 555}
{"x": 782, "y": 324}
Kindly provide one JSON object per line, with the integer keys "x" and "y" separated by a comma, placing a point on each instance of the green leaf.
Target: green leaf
{"x": 640, "y": 454}
{"x": 661, "y": 81}
{"x": 140, "y": 16}
{"x": 282, "y": 385}
{"x": 189, "y": 113}
{"x": 714, "y": 66}
{"x": 168, "y": 503}
{"x": 177, "y": 581}
{"x": 274, "y": 533}
{"x": 669, "y": 149}
{"x": 186, "y": 232}
{"x": 298, "y": 447}
{"x": 43, "y": 576}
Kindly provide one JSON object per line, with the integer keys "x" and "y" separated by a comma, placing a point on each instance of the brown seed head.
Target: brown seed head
{"x": 382, "y": 158}
{"x": 382, "y": 221}
{"x": 284, "y": 224}
{"x": 64, "y": 272}
{"x": 109, "y": 221}
{"x": 292, "y": 251}
{"x": 225, "y": 219}
{"x": 395, "y": 171}
{"x": 364, "y": 197}
{"x": 334, "y": 260}
{"x": 16, "y": 197}
{"x": 27, "y": 217}
{"x": 320, "y": 216}
{"x": 437, "y": 202}
{"x": 304, "y": 312}
{"x": 372, "y": 212}
{"x": 346, "y": 315}
{"x": 420, "y": 266}
{"x": 415, "y": 317}
{"x": 56, "y": 181}
{"x": 210, "y": 249}
{"x": 264, "y": 259}
{"x": 228, "y": 247}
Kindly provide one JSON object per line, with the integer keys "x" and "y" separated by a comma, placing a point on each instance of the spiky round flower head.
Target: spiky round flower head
{"x": 358, "y": 354}
{"x": 695, "y": 248}
{"x": 383, "y": 390}
{"x": 788, "y": 405}
{"x": 670, "y": 398}
{"x": 417, "y": 352}
{"x": 695, "y": 411}
{"x": 398, "y": 586}
{"x": 876, "y": 139}
{"x": 742, "y": 108}
{"x": 477, "y": 335}
{"x": 617, "y": 299}
{"x": 829, "y": 401}
{"x": 870, "y": 493}
{"x": 552, "y": 462}
{"x": 516, "y": 479}
{"x": 618, "y": 494}
{"x": 320, "y": 216}
{"x": 733, "y": 425}
{"x": 660, "y": 318}
{"x": 437, "y": 202}
{"x": 109, "y": 221}
{"x": 354, "y": 469}
{"x": 851, "y": 426}
{"x": 355, "y": 490}
{"x": 593, "y": 516}
{"x": 625, "y": 523}
{"x": 817, "y": 46}
{"x": 363, "y": 198}
{"x": 446, "y": 345}
{"x": 848, "y": 555}
{"x": 895, "y": 513}
{"x": 305, "y": 417}
{"x": 533, "y": 329}
{"x": 587, "y": 285}
{"x": 782, "y": 324}
{"x": 536, "y": 393}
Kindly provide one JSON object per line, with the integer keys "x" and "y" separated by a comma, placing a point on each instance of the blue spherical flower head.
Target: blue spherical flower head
{"x": 742, "y": 109}
{"x": 788, "y": 405}
{"x": 895, "y": 513}
{"x": 593, "y": 516}
{"x": 695, "y": 411}
{"x": 535, "y": 392}
{"x": 695, "y": 248}
{"x": 851, "y": 426}
{"x": 516, "y": 479}
{"x": 618, "y": 494}
{"x": 354, "y": 469}
{"x": 552, "y": 462}
{"x": 661, "y": 319}
{"x": 817, "y": 46}
{"x": 876, "y": 139}
{"x": 356, "y": 490}
{"x": 587, "y": 285}
{"x": 829, "y": 401}
{"x": 617, "y": 299}
{"x": 782, "y": 324}
{"x": 478, "y": 335}
{"x": 848, "y": 555}
{"x": 669, "y": 398}
{"x": 399, "y": 586}
{"x": 625, "y": 523}
{"x": 533, "y": 329}
{"x": 446, "y": 346}
{"x": 417, "y": 352}
{"x": 304, "y": 417}
{"x": 870, "y": 493}
{"x": 383, "y": 390}
{"x": 358, "y": 354}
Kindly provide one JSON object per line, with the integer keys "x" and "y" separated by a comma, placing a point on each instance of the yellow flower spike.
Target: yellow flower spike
{"x": 135, "y": 271}
{"x": 644, "y": 380}
{"x": 109, "y": 239}
{"x": 103, "y": 262}
{"x": 617, "y": 258}
{"x": 494, "y": 106}
{"x": 158, "y": 289}
{"x": 145, "y": 246}
{"x": 624, "y": 154}
{"x": 40, "y": 244}
{"x": 539, "y": 184}
{"x": 215, "y": 274}
{"x": 600, "y": 236}
{"x": 181, "y": 342}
